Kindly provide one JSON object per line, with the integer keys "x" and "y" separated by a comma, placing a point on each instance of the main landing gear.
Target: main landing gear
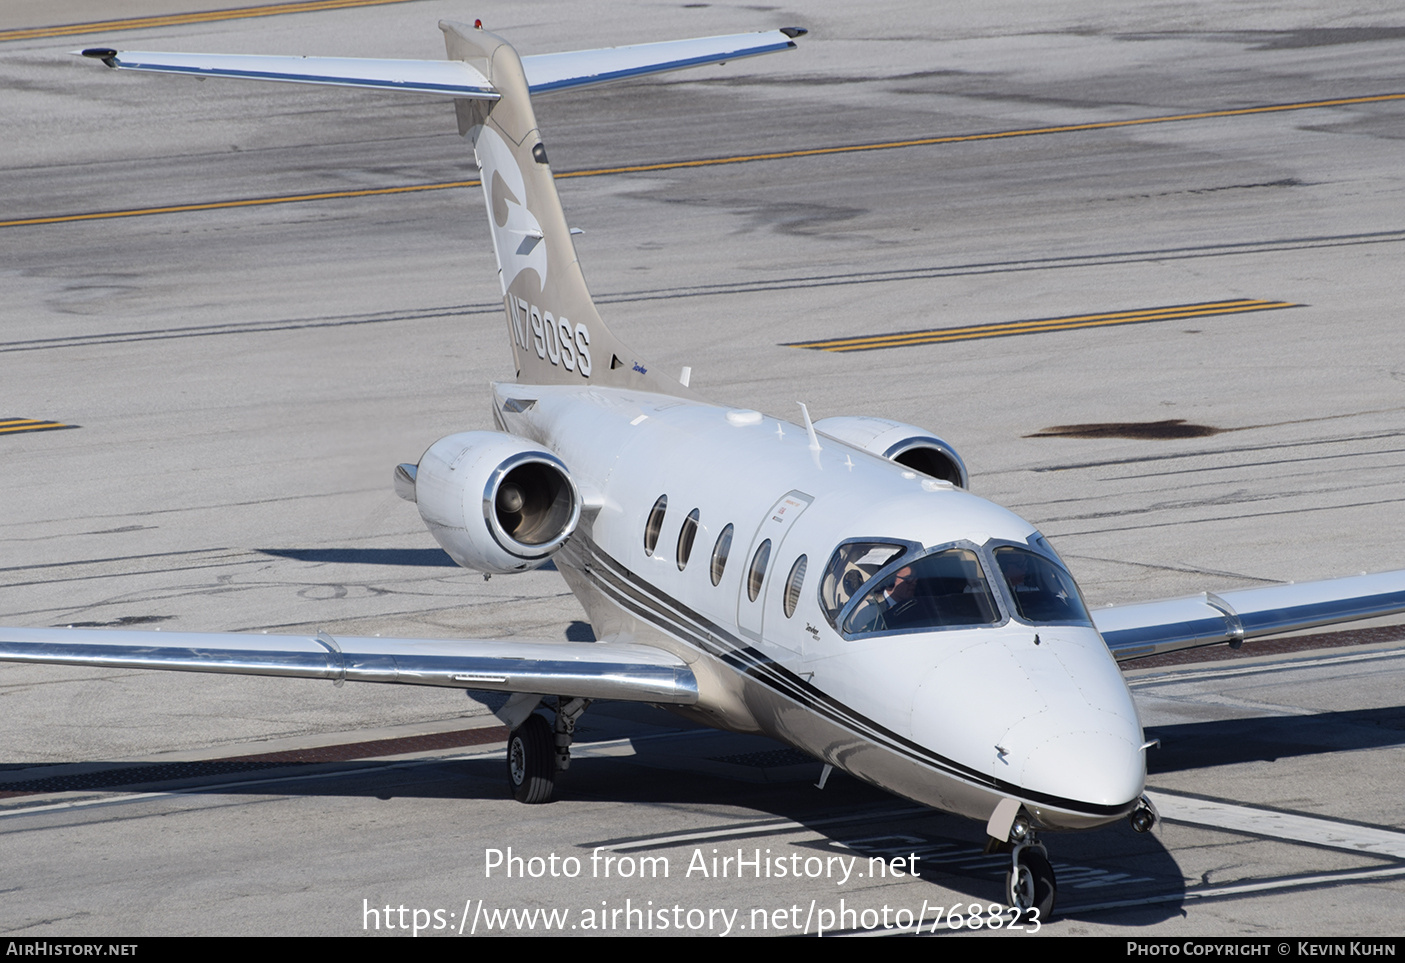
{"x": 537, "y": 750}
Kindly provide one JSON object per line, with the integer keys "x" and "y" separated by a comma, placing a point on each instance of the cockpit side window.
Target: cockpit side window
{"x": 851, "y": 565}
{"x": 1042, "y": 591}
{"x": 941, "y": 590}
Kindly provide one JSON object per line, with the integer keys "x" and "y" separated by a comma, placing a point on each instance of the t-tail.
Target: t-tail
{"x": 557, "y": 336}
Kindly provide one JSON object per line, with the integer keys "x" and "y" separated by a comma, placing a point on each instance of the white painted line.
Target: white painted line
{"x": 1315, "y": 830}
{"x": 1237, "y": 889}
{"x": 1283, "y": 664}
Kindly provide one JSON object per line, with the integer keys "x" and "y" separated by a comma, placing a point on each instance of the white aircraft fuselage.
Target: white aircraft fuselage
{"x": 957, "y": 718}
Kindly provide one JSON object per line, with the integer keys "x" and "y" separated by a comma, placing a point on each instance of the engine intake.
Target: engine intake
{"x": 495, "y": 502}
{"x": 907, "y": 445}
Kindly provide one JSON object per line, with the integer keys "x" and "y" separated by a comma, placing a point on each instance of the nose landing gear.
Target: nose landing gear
{"x": 1029, "y": 884}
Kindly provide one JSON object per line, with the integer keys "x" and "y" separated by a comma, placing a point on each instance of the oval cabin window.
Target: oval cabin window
{"x": 654, "y": 525}
{"x": 793, "y": 585}
{"x": 757, "y": 575}
{"x": 686, "y": 534}
{"x": 720, "y": 551}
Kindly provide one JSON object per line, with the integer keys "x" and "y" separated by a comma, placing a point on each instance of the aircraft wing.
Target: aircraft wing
{"x": 1153, "y": 628}
{"x": 591, "y": 670}
{"x": 453, "y": 78}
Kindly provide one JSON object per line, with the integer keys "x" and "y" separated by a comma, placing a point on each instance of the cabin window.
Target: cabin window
{"x": 720, "y": 551}
{"x": 757, "y": 575}
{"x": 686, "y": 534}
{"x": 937, "y": 591}
{"x": 654, "y": 525}
{"x": 793, "y": 585}
{"x": 852, "y": 564}
{"x": 1042, "y": 591}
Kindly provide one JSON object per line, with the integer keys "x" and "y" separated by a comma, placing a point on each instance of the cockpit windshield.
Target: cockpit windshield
{"x": 853, "y": 564}
{"x": 1042, "y": 591}
{"x": 941, "y": 590}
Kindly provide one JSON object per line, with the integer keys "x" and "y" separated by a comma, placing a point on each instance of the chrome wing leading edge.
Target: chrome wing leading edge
{"x": 1153, "y": 628}
{"x": 589, "y": 670}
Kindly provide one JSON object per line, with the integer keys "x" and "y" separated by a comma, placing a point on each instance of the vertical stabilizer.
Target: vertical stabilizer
{"x": 557, "y": 336}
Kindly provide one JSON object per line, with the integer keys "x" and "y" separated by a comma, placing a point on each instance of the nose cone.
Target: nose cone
{"x": 1052, "y": 723}
{"x": 1088, "y": 758}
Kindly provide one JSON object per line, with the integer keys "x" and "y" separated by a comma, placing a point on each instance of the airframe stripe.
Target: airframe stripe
{"x": 9, "y": 426}
{"x": 475, "y": 91}
{"x": 609, "y": 76}
{"x": 174, "y": 19}
{"x": 903, "y": 339}
{"x": 716, "y": 161}
{"x": 649, "y": 603}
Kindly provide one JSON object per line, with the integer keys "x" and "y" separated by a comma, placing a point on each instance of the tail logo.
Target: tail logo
{"x": 517, "y": 235}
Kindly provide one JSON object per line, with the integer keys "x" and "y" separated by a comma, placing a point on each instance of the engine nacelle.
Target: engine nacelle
{"x": 495, "y": 502}
{"x": 907, "y": 445}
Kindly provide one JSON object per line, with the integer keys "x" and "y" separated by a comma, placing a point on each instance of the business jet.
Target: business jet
{"x": 832, "y": 584}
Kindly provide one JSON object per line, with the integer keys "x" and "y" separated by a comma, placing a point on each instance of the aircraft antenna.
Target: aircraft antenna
{"x": 809, "y": 427}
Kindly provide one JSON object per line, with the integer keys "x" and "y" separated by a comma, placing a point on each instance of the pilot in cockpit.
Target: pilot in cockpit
{"x": 884, "y": 607}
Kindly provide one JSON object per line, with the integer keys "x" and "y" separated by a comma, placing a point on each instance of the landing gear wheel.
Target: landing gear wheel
{"x": 1029, "y": 885}
{"x": 531, "y": 761}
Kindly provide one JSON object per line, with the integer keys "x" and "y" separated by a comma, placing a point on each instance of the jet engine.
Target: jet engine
{"x": 495, "y": 502}
{"x": 907, "y": 445}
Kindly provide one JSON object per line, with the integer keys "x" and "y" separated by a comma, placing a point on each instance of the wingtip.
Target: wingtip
{"x": 793, "y": 32}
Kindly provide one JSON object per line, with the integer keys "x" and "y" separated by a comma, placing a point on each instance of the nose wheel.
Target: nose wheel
{"x": 1029, "y": 883}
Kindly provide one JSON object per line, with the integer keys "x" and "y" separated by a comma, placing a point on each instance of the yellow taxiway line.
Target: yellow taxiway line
{"x": 242, "y": 202}
{"x": 904, "y": 339}
{"x": 176, "y": 19}
{"x": 12, "y": 425}
{"x": 716, "y": 161}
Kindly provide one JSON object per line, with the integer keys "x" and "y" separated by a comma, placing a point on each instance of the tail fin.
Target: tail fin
{"x": 557, "y": 335}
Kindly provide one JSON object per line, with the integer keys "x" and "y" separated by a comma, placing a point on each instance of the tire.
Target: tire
{"x": 1031, "y": 886}
{"x": 531, "y": 761}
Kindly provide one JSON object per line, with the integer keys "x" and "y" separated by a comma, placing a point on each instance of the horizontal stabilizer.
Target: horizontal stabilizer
{"x": 446, "y": 77}
{"x": 586, "y": 68}
{"x": 453, "y": 78}
{"x": 590, "y": 670}
{"x": 1153, "y": 628}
